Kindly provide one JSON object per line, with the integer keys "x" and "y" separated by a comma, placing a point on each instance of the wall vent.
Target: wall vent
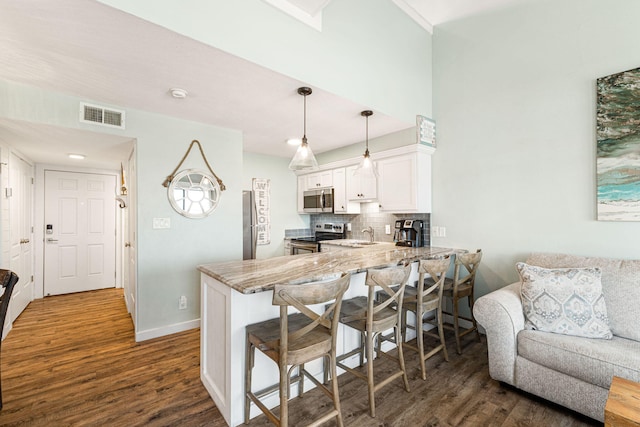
{"x": 101, "y": 115}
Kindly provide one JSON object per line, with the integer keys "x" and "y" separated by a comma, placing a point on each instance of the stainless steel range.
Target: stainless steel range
{"x": 323, "y": 231}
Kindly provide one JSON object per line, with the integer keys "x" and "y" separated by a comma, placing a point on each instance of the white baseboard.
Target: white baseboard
{"x": 167, "y": 330}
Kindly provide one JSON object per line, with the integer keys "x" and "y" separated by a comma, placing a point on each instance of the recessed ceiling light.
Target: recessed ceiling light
{"x": 294, "y": 141}
{"x": 77, "y": 156}
{"x": 178, "y": 93}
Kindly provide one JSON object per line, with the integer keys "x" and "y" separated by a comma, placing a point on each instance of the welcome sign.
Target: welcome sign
{"x": 261, "y": 189}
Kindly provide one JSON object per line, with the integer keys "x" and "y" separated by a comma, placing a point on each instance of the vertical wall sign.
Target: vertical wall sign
{"x": 618, "y": 139}
{"x": 425, "y": 131}
{"x": 262, "y": 194}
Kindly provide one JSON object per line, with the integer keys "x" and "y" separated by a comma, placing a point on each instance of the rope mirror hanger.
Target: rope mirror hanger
{"x": 194, "y": 193}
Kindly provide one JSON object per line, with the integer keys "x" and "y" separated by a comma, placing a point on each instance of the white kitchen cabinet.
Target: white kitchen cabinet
{"x": 320, "y": 179}
{"x": 302, "y": 186}
{"x": 405, "y": 183}
{"x": 361, "y": 188}
{"x": 341, "y": 204}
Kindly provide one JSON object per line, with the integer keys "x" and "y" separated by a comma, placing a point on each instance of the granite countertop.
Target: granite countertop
{"x": 356, "y": 243}
{"x": 257, "y": 275}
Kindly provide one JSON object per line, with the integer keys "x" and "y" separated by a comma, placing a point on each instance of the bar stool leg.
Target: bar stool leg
{"x": 284, "y": 395}
{"x": 370, "y": 385}
{"x": 334, "y": 387}
{"x": 405, "y": 378}
{"x": 441, "y": 333}
{"x": 473, "y": 319}
{"x": 248, "y": 367}
{"x": 456, "y": 326}
{"x": 420, "y": 341}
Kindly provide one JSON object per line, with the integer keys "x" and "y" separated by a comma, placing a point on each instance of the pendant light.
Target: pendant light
{"x": 366, "y": 166}
{"x": 304, "y": 158}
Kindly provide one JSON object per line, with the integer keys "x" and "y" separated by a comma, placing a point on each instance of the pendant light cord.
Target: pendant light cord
{"x": 304, "y": 130}
{"x": 367, "y": 134}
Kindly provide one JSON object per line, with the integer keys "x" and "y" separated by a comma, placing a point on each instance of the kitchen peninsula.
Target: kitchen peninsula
{"x": 235, "y": 294}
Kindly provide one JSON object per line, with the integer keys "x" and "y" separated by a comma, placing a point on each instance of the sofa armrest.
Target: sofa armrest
{"x": 500, "y": 314}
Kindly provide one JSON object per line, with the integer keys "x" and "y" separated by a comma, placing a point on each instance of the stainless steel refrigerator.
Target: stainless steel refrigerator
{"x": 249, "y": 235}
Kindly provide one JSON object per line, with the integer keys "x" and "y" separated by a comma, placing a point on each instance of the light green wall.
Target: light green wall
{"x": 283, "y": 208}
{"x": 167, "y": 259}
{"x": 369, "y": 51}
{"x": 514, "y": 102}
{"x": 385, "y": 142}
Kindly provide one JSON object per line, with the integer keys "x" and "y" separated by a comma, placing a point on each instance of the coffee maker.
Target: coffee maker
{"x": 408, "y": 232}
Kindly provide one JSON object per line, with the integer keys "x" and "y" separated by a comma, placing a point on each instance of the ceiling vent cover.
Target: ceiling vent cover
{"x": 101, "y": 115}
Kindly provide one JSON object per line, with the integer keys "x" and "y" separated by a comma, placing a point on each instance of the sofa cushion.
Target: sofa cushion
{"x": 620, "y": 287}
{"x": 591, "y": 360}
{"x": 564, "y": 301}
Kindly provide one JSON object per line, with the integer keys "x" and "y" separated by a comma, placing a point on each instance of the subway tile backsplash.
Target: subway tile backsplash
{"x": 297, "y": 232}
{"x": 376, "y": 220}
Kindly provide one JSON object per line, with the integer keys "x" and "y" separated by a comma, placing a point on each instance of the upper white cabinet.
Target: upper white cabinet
{"x": 320, "y": 179}
{"x": 341, "y": 203}
{"x": 302, "y": 186}
{"x": 359, "y": 188}
{"x": 405, "y": 183}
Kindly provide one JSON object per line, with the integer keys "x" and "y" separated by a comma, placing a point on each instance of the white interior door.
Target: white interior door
{"x": 80, "y": 232}
{"x": 130, "y": 236}
{"x": 21, "y": 233}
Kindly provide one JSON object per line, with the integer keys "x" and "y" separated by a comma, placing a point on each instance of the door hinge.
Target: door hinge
{"x": 32, "y": 278}
{"x": 32, "y": 181}
{"x": 8, "y": 192}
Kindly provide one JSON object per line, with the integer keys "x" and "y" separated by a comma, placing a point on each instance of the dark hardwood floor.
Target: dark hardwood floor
{"x": 72, "y": 360}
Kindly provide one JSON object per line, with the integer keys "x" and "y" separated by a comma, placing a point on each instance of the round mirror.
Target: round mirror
{"x": 194, "y": 193}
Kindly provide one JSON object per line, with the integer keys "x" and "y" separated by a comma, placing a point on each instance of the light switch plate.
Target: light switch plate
{"x": 159, "y": 223}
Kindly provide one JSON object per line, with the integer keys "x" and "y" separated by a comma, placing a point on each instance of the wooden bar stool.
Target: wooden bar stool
{"x": 295, "y": 339}
{"x": 462, "y": 286}
{"x": 8, "y": 280}
{"x": 425, "y": 299}
{"x": 371, "y": 318}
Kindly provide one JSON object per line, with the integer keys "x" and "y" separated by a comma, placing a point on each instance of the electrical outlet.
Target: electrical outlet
{"x": 438, "y": 231}
{"x": 387, "y": 229}
{"x": 182, "y": 304}
{"x": 160, "y": 223}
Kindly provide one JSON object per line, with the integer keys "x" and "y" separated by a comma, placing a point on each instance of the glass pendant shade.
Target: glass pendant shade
{"x": 366, "y": 165}
{"x": 304, "y": 158}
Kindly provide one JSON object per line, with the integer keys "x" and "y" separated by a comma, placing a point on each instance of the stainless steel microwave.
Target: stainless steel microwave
{"x": 318, "y": 200}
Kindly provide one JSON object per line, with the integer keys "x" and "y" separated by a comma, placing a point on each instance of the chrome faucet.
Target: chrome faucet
{"x": 370, "y": 231}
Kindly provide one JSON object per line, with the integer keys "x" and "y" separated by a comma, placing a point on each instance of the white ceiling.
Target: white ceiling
{"x": 99, "y": 54}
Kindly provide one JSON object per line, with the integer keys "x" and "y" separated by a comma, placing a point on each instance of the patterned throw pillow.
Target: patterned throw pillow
{"x": 565, "y": 301}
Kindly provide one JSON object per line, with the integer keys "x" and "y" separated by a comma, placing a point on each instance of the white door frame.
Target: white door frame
{"x": 39, "y": 234}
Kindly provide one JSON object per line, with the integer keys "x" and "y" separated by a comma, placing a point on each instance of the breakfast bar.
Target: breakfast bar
{"x": 235, "y": 294}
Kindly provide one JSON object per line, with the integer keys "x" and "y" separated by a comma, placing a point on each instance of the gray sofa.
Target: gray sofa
{"x": 572, "y": 371}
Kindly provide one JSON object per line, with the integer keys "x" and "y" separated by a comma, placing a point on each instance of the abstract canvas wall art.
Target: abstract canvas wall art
{"x": 618, "y": 151}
